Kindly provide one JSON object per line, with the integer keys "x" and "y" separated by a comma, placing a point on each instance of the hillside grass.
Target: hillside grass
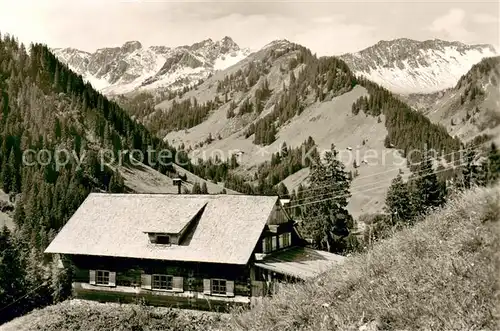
{"x": 92, "y": 316}
{"x": 439, "y": 275}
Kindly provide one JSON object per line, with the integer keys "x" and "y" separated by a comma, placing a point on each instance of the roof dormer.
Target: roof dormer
{"x": 164, "y": 238}
{"x": 173, "y": 227}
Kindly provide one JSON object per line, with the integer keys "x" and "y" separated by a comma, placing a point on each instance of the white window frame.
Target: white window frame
{"x": 267, "y": 245}
{"x": 219, "y": 286}
{"x": 285, "y": 239}
{"x": 274, "y": 243}
{"x": 105, "y": 274}
{"x": 169, "y": 280}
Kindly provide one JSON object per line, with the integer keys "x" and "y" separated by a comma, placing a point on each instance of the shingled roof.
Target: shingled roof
{"x": 116, "y": 224}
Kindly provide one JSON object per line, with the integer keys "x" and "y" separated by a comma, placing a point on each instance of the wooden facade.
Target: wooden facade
{"x": 188, "y": 284}
{"x": 209, "y": 254}
{"x": 133, "y": 281}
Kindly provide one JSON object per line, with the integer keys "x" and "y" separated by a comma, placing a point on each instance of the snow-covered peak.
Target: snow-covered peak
{"x": 131, "y": 46}
{"x": 277, "y": 43}
{"x": 131, "y": 67}
{"x": 409, "y": 66}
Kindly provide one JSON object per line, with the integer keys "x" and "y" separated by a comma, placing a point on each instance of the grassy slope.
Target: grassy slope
{"x": 144, "y": 179}
{"x": 439, "y": 275}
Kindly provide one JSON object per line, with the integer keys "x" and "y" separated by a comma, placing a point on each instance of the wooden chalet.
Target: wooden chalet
{"x": 192, "y": 251}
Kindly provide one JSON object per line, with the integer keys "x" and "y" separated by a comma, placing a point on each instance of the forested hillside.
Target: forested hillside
{"x": 407, "y": 129}
{"x": 284, "y": 95}
{"x": 283, "y": 99}
{"x": 46, "y": 108}
{"x": 470, "y": 108}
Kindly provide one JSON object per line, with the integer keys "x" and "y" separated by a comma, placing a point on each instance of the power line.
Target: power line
{"x": 415, "y": 177}
{"x": 364, "y": 185}
{"x": 362, "y": 191}
{"x": 33, "y": 290}
{"x": 475, "y": 148}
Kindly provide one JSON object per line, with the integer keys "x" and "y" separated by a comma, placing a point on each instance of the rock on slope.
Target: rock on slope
{"x": 409, "y": 66}
{"x": 131, "y": 67}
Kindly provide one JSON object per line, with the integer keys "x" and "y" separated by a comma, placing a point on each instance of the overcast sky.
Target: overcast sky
{"x": 327, "y": 27}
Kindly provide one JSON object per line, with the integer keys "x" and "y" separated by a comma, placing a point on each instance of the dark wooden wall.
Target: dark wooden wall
{"x": 129, "y": 271}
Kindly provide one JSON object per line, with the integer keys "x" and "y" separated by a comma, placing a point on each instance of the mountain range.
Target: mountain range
{"x": 132, "y": 67}
{"x": 233, "y": 121}
{"x": 402, "y": 65}
{"x": 408, "y": 66}
{"x": 250, "y": 103}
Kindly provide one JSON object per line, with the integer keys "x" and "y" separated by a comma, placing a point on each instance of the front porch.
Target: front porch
{"x": 296, "y": 263}
{"x": 138, "y": 295}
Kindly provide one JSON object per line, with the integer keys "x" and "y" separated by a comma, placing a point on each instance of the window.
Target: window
{"x": 163, "y": 282}
{"x": 269, "y": 244}
{"x": 102, "y": 277}
{"x": 273, "y": 243}
{"x": 285, "y": 239}
{"x": 163, "y": 240}
{"x": 219, "y": 286}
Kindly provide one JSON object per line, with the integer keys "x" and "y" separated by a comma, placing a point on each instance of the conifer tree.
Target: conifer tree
{"x": 196, "y": 188}
{"x": 398, "y": 201}
{"x": 7, "y": 174}
{"x": 426, "y": 190}
{"x": 116, "y": 184}
{"x": 283, "y": 191}
{"x": 327, "y": 220}
{"x": 204, "y": 189}
{"x": 493, "y": 164}
{"x": 60, "y": 281}
{"x": 12, "y": 274}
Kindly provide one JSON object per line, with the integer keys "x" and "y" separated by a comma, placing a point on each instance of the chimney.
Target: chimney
{"x": 285, "y": 202}
{"x": 178, "y": 182}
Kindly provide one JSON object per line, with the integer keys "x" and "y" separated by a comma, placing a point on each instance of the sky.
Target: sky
{"x": 326, "y": 27}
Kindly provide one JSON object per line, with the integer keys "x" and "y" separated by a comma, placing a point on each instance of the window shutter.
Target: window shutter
{"x": 230, "y": 288}
{"x": 146, "y": 281}
{"x": 273, "y": 243}
{"x": 206, "y": 286}
{"x": 264, "y": 250}
{"x": 92, "y": 277}
{"x": 178, "y": 284}
{"x": 112, "y": 278}
{"x": 289, "y": 235}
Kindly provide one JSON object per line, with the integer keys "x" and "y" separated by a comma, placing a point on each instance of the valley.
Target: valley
{"x": 334, "y": 135}
{"x": 212, "y": 133}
